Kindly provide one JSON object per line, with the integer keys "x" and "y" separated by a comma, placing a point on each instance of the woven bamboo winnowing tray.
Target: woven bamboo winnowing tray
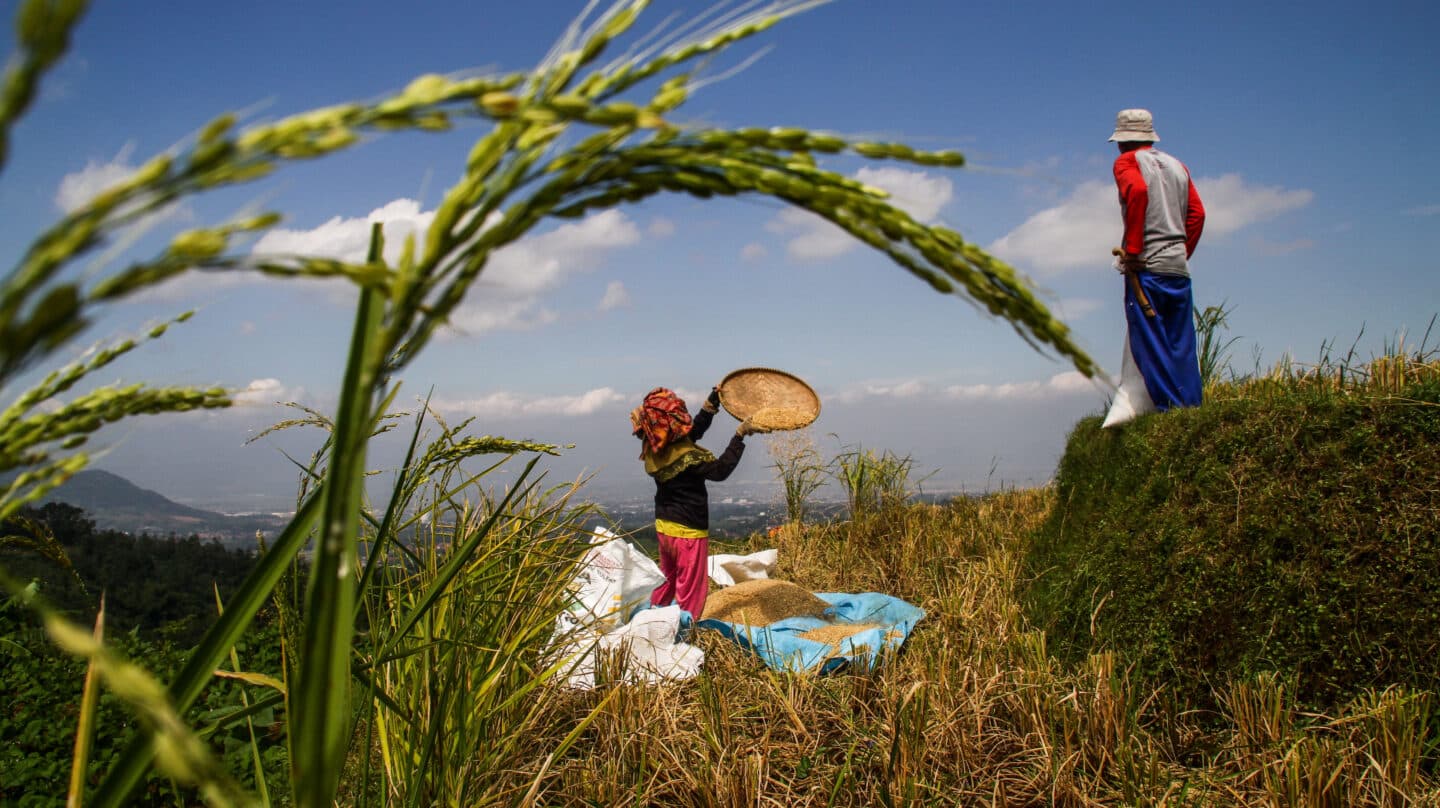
{"x": 777, "y": 399}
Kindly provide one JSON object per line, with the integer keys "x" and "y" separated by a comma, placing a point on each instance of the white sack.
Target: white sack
{"x": 1132, "y": 400}
{"x": 646, "y": 646}
{"x": 728, "y": 570}
{"x": 615, "y": 579}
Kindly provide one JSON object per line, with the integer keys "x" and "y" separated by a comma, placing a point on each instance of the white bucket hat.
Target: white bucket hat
{"x": 1134, "y": 126}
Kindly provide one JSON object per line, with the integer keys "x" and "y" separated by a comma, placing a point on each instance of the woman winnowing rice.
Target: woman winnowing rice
{"x": 680, "y": 469}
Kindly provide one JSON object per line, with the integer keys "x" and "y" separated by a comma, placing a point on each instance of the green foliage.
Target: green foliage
{"x": 459, "y": 680}
{"x": 1212, "y": 346}
{"x": 38, "y": 721}
{"x": 155, "y": 585}
{"x": 873, "y": 481}
{"x": 1295, "y": 533}
{"x": 800, "y": 470}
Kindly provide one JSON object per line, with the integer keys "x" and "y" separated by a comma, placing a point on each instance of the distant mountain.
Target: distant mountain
{"x": 115, "y": 503}
{"x": 102, "y": 492}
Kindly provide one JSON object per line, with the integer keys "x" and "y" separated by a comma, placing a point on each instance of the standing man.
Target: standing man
{"x": 1163, "y": 219}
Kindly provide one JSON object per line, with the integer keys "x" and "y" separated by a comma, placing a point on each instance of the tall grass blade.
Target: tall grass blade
{"x": 461, "y": 556}
{"x": 85, "y": 732}
{"x": 322, "y": 703}
{"x": 259, "y": 762}
{"x": 384, "y": 531}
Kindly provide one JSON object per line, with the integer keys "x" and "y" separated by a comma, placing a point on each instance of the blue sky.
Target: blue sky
{"x": 1307, "y": 128}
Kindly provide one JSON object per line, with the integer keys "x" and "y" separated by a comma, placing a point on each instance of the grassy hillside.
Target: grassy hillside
{"x": 975, "y": 710}
{"x": 1287, "y": 525}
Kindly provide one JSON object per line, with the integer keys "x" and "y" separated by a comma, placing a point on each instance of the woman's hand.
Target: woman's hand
{"x": 749, "y": 427}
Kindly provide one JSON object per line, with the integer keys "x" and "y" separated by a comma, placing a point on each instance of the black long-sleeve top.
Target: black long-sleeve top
{"x": 683, "y": 498}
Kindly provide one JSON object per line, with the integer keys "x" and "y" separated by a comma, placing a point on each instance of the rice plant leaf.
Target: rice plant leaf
{"x": 85, "y": 732}
{"x": 461, "y": 556}
{"x": 384, "y": 531}
{"x": 320, "y": 707}
{"x": 252, "y": 678}
{"x": 429, "y": 745}
{"x": 227, "y": 720}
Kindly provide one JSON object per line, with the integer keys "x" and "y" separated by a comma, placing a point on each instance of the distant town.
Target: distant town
{"x": 115, "y": 503}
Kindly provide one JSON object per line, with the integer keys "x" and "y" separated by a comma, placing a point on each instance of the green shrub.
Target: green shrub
{"x": 1295, "y": 533}
{"x": 42, "y": 688}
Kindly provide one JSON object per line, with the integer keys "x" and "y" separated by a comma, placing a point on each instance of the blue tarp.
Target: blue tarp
{"x": 781, "y": 647}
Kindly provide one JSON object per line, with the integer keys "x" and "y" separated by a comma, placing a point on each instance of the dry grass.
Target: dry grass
{"x": 1392, "y": 375}
{"x": 972, "y": 711}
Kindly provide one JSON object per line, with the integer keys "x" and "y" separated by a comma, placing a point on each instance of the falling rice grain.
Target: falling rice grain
{"x": 782, "y": 418}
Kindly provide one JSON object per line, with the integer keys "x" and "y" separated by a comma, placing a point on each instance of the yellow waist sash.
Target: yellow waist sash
{"x": 679, "y": 531}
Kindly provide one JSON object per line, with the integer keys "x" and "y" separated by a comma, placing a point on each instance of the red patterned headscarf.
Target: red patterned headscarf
{"x": 661, "y": 420}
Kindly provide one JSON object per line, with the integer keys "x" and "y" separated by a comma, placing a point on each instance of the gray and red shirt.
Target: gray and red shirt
{"x": 1162, "y": 210}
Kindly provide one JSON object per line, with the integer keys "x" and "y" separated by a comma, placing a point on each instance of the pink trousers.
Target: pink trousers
{"x": 685, "y": 565}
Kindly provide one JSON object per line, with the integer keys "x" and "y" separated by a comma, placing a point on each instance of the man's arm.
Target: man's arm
{"x": 1194, "y": 219}
{"x": 1134, "y": 200}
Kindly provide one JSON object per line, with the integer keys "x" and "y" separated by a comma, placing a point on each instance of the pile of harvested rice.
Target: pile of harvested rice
{"x": 836, "y": 632}
{"x": 762, "y": 602}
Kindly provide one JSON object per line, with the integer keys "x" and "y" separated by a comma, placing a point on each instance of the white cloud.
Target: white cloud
{"x": 265, "y": 392}
{"x": 501, "y": 315}
{"x": 79, "y": 187}
{"x": 918, "y": 193}
{"x": 753, "y": 251}
{"x": 661, "y": 227}
{"x": 1276, "y": 248}
{"x": 1074, "y": 308}
{"x": 1061, "y": 384}
{"x": 615, "y": 296}
{"x": 541, "y": 262}
{"x": 1068, "y": 383}
{"x": 1230, "y": 204}
{"x": 1424, "y": 210}
{"x": 909, "y": 388}
{"x": 507, "y": 294}
{"x": 1081, "y": 230}
{"x": 811, "y": 238}
{"x": 349, "y": 239}
{"x": 514, "y": 405}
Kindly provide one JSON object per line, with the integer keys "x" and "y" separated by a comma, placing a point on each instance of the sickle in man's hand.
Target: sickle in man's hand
{"x": 1135, "y": 286}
